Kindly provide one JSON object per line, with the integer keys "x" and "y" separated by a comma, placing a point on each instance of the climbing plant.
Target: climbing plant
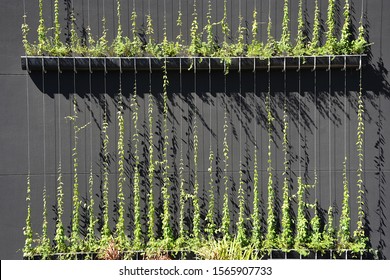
{"x": 230, "y": 45}
{"x": 286, "y": 237}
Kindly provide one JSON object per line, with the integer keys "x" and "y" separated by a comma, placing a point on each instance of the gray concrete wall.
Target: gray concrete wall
{"x": 34, "y": 107}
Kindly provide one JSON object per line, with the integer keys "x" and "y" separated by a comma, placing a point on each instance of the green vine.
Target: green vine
{"x": 241, "y": 231}
{"x": 75, "y": 42}
{"x": 137, "y": 243}
{"x": 255, "y": 48}
{"x": 331, "y": 41}
{"x": 28, "y": 250}
{"x": 329, "y": 234}
{"x": 119, "y": 46}
{"x": 166, "y": 228}
{"x": 284, "y": 45}
{"x": 136, "y": 45}
{"x": 194, "y": 47}
{"x": 44, "y": 249}
{"x": 210, "y": 229}
{"x": 57, "y": 48}
{"x": 314, "y": 44}
{"x": 286, "y": 238}
{"x": 59, "y": 238}
{"x": 195, "y": 196}
{"x": 271, "y": 237}
{"x": 345, "y": 40}
{"x": 256, "y": 226}
{"x": 209, "y": 47}
{"x": 270, "y": 46}
{"x": 75, "y": 239}
{"x": 359, "y": 234}
{"x": 301, "y": 237}
{"x": 90, "y": 240}
{"x": 344, "y": 232}
{"x": 152, "y": 167}
{"x": 225, "y": 211}
{"x": 42, "y": 41}
{"x": 121, "y": 238}
{"x": 300, "y": 47}
{"x": 28, "y": 48}
{"x": 360, "y": 44}
{"x": 105, "y": 231}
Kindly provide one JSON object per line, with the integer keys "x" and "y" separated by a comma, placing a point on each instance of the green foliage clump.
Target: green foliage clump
{"x": 28, "y": 250}
{"x": 230, "y": 46}
{"x": 284, "y": 45}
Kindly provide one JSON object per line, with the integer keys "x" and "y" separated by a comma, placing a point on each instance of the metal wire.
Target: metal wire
{"x": 330, "y": 134}
{"x": 44, "y": 123}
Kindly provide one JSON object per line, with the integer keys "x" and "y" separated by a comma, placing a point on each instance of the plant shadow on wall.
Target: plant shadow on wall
{"x": 242, "y": 110}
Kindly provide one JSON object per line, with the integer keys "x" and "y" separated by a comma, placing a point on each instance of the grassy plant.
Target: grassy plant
{"x": 28, "y": 250}
{"x": 137, "y": 242}
{"x": 344, "y": 232}
{"x": 226, "y": 249}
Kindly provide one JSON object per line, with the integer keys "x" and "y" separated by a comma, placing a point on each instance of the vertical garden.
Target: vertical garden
{"x": 207, "y": 138}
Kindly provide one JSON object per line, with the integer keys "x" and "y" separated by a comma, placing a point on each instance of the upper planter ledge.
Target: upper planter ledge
{"x": 47, "y": 63}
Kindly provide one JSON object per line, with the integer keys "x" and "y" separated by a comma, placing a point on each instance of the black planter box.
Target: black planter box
{"x": 46, "y": 63}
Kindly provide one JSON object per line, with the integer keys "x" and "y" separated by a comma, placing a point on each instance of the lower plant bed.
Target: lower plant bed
{"x": 190, "y": 255}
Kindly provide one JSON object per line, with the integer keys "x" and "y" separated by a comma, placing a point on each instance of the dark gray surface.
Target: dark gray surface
{"x": 15, "y": 87}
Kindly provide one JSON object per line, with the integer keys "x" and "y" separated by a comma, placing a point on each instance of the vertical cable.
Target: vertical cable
{"x": 27, "y": 109}
{"x": 315, "y": 134}
{"x": 299, "y": 123}
{"x": 330, "y": 133}
{"x": 44, "y": 123}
